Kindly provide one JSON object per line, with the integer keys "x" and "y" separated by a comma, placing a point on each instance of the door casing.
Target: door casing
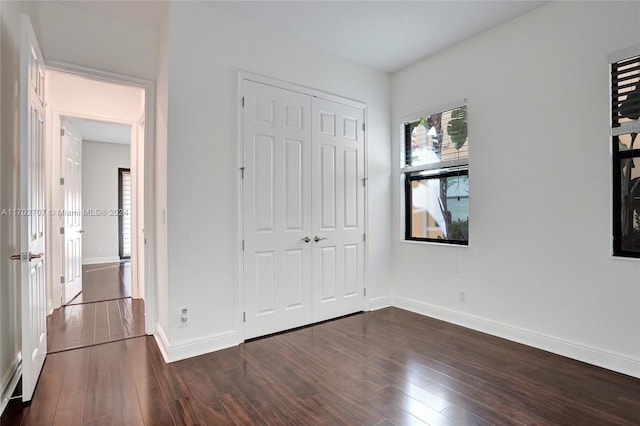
{"x": 146, "y": 223}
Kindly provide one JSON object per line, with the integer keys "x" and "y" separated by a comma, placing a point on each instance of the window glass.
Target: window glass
{"x": 436, "y": 176}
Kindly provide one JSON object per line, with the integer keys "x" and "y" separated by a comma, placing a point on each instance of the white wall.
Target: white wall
{"x": 85, "y": 35}
{"x": 538, "y": 267}
{"x": 207, "y": 47}
{"x": 100, "y": 163}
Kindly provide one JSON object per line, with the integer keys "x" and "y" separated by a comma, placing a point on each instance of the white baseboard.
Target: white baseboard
{"x": 162, "y": 341}
{"x": 10, "y": 381}
{"x": 379, "y": 303}
{"x": 194, "y": 347}
{"x": 97, "y": 260}
{"x": 591, "y": 355}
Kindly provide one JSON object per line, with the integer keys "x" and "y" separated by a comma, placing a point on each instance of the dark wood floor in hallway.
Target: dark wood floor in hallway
{"x": 75, "y": 326}
{"x": 388, "y": 367}
{"x": 105, "y": 281}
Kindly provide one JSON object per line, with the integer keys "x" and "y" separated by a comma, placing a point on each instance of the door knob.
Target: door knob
{"x": 81, "y": 231}
{"x": 31, "y": 256}
{"x": 306, "y": 239}
{"x": 316, "y": 238}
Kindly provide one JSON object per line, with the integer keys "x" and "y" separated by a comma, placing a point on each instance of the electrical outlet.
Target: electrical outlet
{"x": 184, "y": 317}
{"x": 462, "y": 296}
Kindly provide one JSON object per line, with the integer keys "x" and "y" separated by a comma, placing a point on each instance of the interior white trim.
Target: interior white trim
{"x": 589, "y": 354}
{"x": 150, "y": 285}
{"x": 163, "y": 342}
{"x": 10, "y": 381}
{"x": 246, "y": 75}
{"x": 379, "y": 303}
{"x": 201, "y": 346}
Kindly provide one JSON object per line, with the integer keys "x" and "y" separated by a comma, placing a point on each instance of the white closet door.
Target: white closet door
{"x": 277, "y": 209}
{"x": 338, "y": 209}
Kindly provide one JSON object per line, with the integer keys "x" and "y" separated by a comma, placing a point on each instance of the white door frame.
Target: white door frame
{"x": 246, "y": 75}
{"x": 147, "y": 223}
{"x": 55, "y": 118}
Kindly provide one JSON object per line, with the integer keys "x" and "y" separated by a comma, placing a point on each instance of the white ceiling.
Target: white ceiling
{"x": 382, "y": 34}
{"x": 387, "y": 35}
{"x": 101, "y": 131}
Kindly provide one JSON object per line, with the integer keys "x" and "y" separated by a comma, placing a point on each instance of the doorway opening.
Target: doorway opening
{"x": 96, "y": 129}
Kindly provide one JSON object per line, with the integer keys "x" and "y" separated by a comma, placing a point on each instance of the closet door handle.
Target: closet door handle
{"x": 306, "y": 239}
{"x": 316, "y": 238}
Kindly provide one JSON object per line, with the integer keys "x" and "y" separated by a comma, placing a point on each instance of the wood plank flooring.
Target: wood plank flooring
{"x": 105, "y": 281}
{"x": 388, "y": 367}
{"x": 75, "y": 326}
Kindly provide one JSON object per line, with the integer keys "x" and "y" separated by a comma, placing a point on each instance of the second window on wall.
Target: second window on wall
{"x": 124, "y": 212}
{"x": 436, "y": 176}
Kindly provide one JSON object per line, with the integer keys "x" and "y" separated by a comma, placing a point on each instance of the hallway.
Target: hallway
{"x": 103, "y": 312}
{"x": 104, "y": 281}
{"x": 77, "y": 326}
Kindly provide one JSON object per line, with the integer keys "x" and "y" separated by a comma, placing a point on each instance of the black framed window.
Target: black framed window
{"x": 436, "y": 177}
{"x": 625, "y": 148}
{"x": 124, "y": 213}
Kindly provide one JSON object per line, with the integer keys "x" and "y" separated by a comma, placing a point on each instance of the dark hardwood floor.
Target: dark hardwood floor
{"x": 105, "y": 281}
{"x": 75, "y": 326}
{"x": 388, "y": 367}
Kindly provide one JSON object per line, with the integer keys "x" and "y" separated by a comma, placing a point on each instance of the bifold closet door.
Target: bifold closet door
{"x": 277, "y": 209}
{"x": 303, "y": 209}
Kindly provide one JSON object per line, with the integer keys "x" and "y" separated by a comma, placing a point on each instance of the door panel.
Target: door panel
{"x": 263, "y": 147}
{"x": 277, "y": 209}
{"x": 338, "y": 195}
{"x": 32, "y": 277}
{"x": 328, "y": 194}
{"x": 71, "y": 143}
{"x": 294, "y": 278}
{"x": 293, "y": 195}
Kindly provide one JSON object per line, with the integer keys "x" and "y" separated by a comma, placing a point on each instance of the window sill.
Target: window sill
{"x": 431, "y": 243}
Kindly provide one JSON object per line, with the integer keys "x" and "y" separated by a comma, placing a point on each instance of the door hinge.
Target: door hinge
{"x": 242, "y": 172}
{"x": 365, "y": 291}
{"x": 61, "y": 280}
{"x": 244, "y": 317}
{"x": 364, "y": 237}
{"x": 363, "y": 127}
{"x": 243, "y": 102}
{"x": 62, "y": 230}
{"x": 61, "y": 132}
{"x": 364, "y": 181}
{"x": 61, "y": 181}
{"x": 242, "y": 245}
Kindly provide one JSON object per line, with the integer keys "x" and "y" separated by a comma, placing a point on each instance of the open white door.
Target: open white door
{"x": 71, "y": 171}
{"x": 32, "y": 271}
